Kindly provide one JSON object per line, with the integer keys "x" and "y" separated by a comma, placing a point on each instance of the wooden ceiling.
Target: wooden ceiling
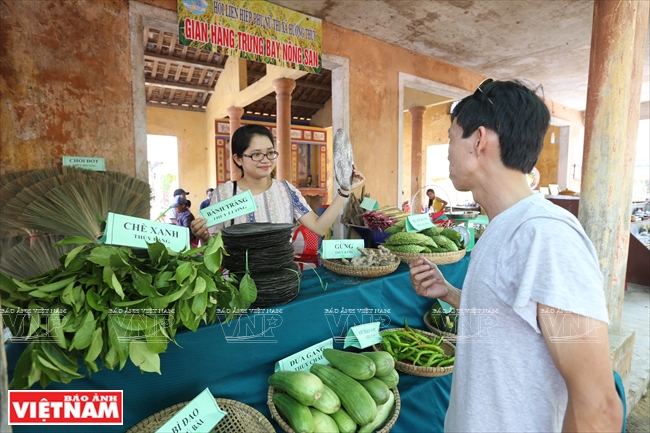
{"x": 183, "y": 78}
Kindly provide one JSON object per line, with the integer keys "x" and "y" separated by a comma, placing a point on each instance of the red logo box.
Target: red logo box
{"x": 65, "y": 407}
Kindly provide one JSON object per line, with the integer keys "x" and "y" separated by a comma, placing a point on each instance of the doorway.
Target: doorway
{"x": 162, "y": 159}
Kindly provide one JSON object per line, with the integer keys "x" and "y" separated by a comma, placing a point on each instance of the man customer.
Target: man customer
{"x": 532, "y": 351}
{"x": 208, "y": 195}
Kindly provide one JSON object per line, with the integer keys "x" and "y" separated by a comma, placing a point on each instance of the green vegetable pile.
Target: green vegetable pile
{"x": 410, "y": 346}
{"x": 106, "y": 304}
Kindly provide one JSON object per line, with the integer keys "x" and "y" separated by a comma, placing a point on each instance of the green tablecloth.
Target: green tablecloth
{"x": 234, "y": 360}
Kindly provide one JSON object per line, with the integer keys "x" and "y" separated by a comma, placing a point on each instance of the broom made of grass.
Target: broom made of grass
{"x": 76, "y": 208}
{"x": 33, "y": 188}
{"x": 32, "y": 257}
{"x": 80, "y": 208}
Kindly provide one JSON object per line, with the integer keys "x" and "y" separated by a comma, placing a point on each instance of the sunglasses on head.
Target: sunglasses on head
{"x": 478, "y": 93}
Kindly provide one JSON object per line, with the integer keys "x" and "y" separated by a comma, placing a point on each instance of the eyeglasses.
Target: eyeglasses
{"x": 257, "y": 156}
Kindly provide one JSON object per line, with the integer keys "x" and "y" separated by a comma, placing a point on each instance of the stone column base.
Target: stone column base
{"x": 621, "y": 345}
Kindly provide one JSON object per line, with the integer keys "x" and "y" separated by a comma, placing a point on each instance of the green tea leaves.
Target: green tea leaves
{"x": 105, "y": 305}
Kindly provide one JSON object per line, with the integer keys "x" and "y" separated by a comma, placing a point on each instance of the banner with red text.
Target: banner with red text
{"x": 251, "y": 29}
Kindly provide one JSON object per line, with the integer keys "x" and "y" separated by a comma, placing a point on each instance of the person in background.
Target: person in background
{"x": 278, "y": 201}
{"x": 205, "y": 203}
{"x": 177, "y": 192}
{"x": 532, "y": 352}
{"x": 436, "y": 204}
{"x": 184, "y": 216}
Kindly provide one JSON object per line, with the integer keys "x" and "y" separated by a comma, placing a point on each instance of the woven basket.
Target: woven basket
{"x": 446, "y": 335}
{"x": 437, "y": 258}
{"x": 241, "y": 418}
{"x": 360, "y": 271}
{"x": 385, "y": 428}
{"x": 415, "y": 370}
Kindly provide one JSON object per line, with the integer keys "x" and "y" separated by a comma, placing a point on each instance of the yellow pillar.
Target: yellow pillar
{"x": 417, "y": 169}
{"x": 611, "y": 123}
{"x": 283, "y": 88}
{"x": 234, "y": 115}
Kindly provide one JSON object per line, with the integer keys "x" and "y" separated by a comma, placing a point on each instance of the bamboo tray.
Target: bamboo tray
{"x": 415, "y": 370}
{"x": 390, "y": 422}
{"x": 241, "y": 418}
{"x": 446, "y": 335}
{"x": 437, "y": 258}
{"x": 360, "y": 271}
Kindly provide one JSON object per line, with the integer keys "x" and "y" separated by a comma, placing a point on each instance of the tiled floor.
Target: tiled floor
{"x": 636, "y": 316}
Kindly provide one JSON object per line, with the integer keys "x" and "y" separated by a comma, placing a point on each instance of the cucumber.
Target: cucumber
{"x": 384, "y": 362}
{"x": 329, "y": 402}
{"x": 354, "y": 398}
{"x": 391, "y": 380}
{"x": 323, "y": 423}
{"x": 377, "y": 389}
{"x": 298, "y": 415}
{"x": 305, "y": 387}
{"x": 353, "y": 364}
{"x": 382, "y": 415}
{"x": 344, "y": 422}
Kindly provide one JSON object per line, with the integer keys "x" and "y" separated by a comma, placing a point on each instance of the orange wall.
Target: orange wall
{"x": 547, "y": 164}
{"x": 374, "y": 100}
{"x": 189, "y": 128}
{"x": 435, "y": 124}
{"x": 65, "y": 84}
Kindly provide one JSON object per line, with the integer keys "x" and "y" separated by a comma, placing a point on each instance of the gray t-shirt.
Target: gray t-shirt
{"x": 504, "y": 378}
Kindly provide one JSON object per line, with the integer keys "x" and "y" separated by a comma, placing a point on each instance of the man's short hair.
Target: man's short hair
{"x": 209, "y": 190}
{"x": 518, "y": 116}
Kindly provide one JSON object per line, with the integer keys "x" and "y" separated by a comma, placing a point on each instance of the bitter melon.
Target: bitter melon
{"x": 400, "y": 226}
{"x": 406, "y": 248}
{"x": 451, "y": 246}
{"x": 441, "y": 240}
{"x": 451, "y": 234}
{"x": 410, "y": 238}
{"x": 432, "y": 231}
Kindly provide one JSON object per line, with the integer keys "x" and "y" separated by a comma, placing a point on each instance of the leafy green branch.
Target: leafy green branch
{"x": 107, "y": 304}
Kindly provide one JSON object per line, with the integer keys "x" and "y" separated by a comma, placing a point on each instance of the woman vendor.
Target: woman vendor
{"x": 278, "y": 201}
{"x": 436, "y": 204}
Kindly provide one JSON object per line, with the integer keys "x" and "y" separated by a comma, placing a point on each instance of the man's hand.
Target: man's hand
{"x": 579, "y": 347}
{"x": 200, "y": 230}
{"x": 427, "y": 281}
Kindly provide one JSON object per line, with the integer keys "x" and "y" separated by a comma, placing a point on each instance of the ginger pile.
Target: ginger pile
{"x": 372, "y": 257}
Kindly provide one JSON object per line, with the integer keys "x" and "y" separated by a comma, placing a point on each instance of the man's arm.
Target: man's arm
{"x": 427, "y": 281}
{"x": 579, "y": 347}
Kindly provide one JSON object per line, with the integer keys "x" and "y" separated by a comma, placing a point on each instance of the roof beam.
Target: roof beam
{"x": 176, "y": 86}
{"x": 175, "y": 107}
{"x": 300, "y": 83}
{"x": 186, "y": 62}
{"x": 295, "y": 102}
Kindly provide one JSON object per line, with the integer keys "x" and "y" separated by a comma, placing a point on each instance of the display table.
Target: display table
{"x": 234, "y": 360}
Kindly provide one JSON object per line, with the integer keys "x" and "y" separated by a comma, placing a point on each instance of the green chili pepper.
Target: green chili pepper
{"x": 433, "y": 359}
{"x": 422, "y": 352}
{"x": 387, "y": 347}
{"x": 446, "y": 362}
{"x": 432, "y": 347}
{"x": 423, "y": 337}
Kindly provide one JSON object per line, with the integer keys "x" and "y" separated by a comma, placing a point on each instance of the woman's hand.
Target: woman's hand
{"x": 357, "y": 178}
{"x": 427, "y": 280}
{"x": 200, "y": 230}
